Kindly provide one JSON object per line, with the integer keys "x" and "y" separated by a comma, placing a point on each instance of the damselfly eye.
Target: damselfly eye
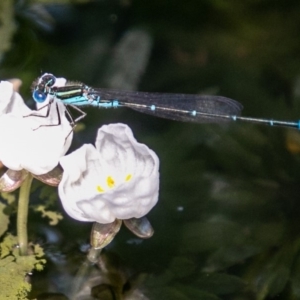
{"x": 39, "y": 96}
{"x": 48, "y": 80}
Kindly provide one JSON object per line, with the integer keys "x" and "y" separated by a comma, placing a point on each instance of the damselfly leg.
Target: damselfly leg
{"x": 46, "y": 115}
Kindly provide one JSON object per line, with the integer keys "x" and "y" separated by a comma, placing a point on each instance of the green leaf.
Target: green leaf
{"x": 182, "y": 266}
{"x": 295, "y": 278}
{"x": 13, "y": 269}
{"x": 197, "y": 293}
{"x": 54, "y": 216}
{"x": 226, "y": 257}
{"x": 168, "y": 293}
{"x": 181, "y": 292}
{"x": 4, "y": 219}
{"x": 8, "y": 26}
{"x": 220, "y": 284}
{"x": 210, "y": 235}
{"x": 9, "y": 197}
{"x": 270, "y": 273}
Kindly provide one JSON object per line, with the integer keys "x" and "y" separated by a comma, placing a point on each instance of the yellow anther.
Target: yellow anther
{"x": 100, "y": 189}
{"x": 128, "y": 177}
{"x": 110, "y": 182}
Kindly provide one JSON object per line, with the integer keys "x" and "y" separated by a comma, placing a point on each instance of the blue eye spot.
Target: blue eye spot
{"x": 39, "y": 96}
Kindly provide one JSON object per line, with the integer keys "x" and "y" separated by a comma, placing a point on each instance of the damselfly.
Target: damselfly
{"x": 181, "y": 107}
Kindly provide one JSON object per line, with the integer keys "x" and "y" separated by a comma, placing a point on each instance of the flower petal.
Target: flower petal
{"x": 140, "y": 227}
{"x": 103, "y": 234}
{"x": 52, "y": 178}
{"x": 11, "y": 180}
{"x": 119, "y": 179}
{"x": 11, "y": 101}
{"x": 30, "y": 143}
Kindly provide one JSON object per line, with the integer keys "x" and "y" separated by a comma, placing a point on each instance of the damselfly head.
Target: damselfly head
{"x": 44, "y": 82}
{"x": 48, "y": 80}
{"x": 39, "y": 95}
{"x": 42, "y": 86}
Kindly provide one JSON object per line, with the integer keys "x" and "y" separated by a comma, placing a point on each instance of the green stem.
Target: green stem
{"x": 84, "y": 271}
{"x": 23, "y": 214}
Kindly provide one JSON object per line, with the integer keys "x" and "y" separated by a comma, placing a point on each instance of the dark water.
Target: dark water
{"x": 227, "y": 222}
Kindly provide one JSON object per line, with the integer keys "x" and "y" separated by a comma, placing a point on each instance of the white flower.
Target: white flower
{"x": 26, "y": 143}
{"x": 117, "y": 179}
{"x": 11, "y": 101}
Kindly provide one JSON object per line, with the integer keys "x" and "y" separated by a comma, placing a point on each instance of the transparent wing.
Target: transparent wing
{"x": 181, "y": 107}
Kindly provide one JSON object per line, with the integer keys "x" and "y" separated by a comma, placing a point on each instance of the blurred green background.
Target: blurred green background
{"x": 227, "y": 222}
